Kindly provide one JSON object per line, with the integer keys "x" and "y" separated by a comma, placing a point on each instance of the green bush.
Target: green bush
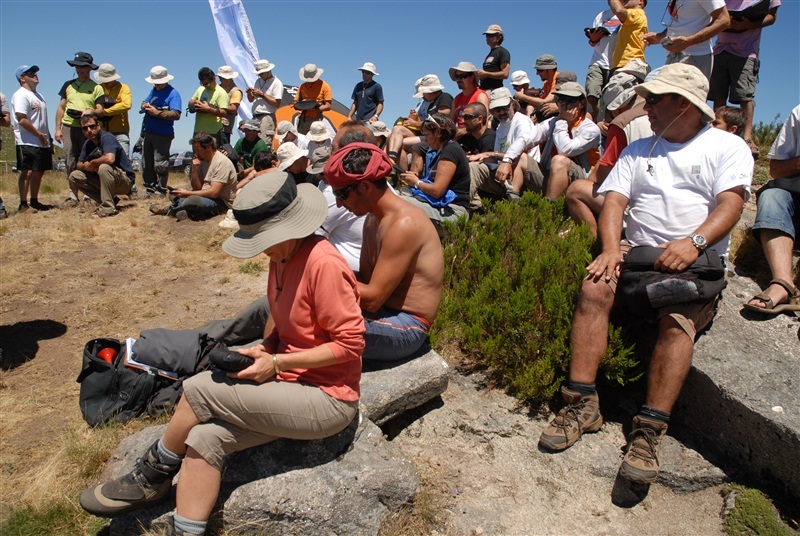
{"x": 511, "y": 280}
{"x": 764, "y": 134}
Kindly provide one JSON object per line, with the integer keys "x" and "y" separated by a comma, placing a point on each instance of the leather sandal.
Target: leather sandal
{"x": 771, "y": 308}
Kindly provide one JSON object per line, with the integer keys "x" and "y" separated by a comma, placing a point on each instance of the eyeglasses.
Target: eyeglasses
{"x": 469, "y": 116}
{"x": 653, "y": 99}
{"x": 89, "y": 127}
{"x": 343, "y": 193}
{"x": 563, "y": 99}
{"x": 464, "y": 76}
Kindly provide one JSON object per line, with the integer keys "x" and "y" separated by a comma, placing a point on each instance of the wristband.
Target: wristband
{"x": 275, "y": 364}
{"x": 417, "y": 185}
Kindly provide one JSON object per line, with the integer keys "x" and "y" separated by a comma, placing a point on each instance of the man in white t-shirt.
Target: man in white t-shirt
{"x": 778, "y": 220}
{"x": 687, "y": 38}
{"x": 31, "y": 136}
{"x": 685, "y": 188}
{"x": 266, "y": 95}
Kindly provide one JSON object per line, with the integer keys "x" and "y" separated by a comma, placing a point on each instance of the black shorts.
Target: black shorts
{"x": 30, "y": 158}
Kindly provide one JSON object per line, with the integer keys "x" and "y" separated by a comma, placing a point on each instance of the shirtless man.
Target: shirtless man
{"x": 402, "y": 265}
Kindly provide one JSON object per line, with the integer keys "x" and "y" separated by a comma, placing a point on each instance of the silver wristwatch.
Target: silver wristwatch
{"x": 699, "y": 241}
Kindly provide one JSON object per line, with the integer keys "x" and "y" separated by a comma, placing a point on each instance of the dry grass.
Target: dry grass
{"x": 65, "y": 278}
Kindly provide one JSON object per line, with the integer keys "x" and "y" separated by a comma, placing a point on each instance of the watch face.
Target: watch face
{"x": 699, "y": 240}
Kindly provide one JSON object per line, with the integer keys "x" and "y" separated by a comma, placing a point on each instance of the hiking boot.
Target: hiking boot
{"x": 147, "y": 485}
{"x": 104, "y": 212}
{"x": 71, "y": 202}
{"x": 160, "y": 210}
{"x": 580, "y": 416}
{"x": 640, "y": 464}
{"x": 181, "y": 215}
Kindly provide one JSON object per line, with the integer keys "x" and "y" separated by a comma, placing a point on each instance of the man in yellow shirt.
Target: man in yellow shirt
{"x": 114, "y": 117}
{"x": 634, "y": 25}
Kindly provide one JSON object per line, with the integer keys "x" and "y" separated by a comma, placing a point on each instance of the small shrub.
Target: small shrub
{"x": 251, "y": 268}
{"x": 511, "y": 281}
{"x": 764, "y": 134}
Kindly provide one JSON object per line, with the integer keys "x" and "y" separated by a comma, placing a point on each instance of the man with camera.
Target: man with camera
{"x": 266, "y": 96}
{"x": 689, "y": 169}
{"x": 210, "y": 105}
{"x": 104, "y": 169}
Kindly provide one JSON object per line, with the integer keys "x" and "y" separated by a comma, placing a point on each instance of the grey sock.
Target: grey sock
{"x": 167, "y": 456}
{"x": 189, "y": 526}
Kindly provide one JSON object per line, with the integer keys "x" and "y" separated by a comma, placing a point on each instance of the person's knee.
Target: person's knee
{"x": 595, "y": 295}
{"x": 578, "y": 192}
{"x": 559, "y": 164}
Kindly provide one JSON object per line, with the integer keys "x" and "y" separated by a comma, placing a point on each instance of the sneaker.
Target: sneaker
{"x": 640, "y": 463}
{"x": 229, "y": 222}
{"x": 512, "y": 196}
{"x": 181, "y": 215}
{"x": 71, "y": 202}
{"x": 160, "y": 210}
{"x": 134, "y": 193}
{"x": 104, "y": 212}
{"x": 580, "y": 416}
{"x": 147, "y": 485}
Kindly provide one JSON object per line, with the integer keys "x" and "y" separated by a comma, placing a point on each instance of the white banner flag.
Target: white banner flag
{"x": 237, "y": 44}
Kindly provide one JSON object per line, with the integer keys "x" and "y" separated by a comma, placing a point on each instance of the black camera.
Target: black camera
{"x": 229, "y": 360}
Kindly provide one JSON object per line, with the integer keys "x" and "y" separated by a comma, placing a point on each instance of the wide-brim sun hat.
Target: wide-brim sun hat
{"x": 570, "y": 89}
{"x": 82, "y": 59}
{"x": 428, "y": 84}
{"x": 622, "y": 98}
{"x": 289, "y": 153}
{"x": 263, "y": 66}
{"x": 545, "y": 62}
{"x": 680, "y": 79}
{"x": 310, "y": 72}
{"x": 227, "y": 72}
{"x": 271, "y": 210}
{"x": 379, "y": 128}
{"x": 158, "y": 75}
{"x": 464, "y": 67}
{"x": 283, "y": 128}
{"x": 499, "y": 98}
{"x": 519, "y": 78}
{"x": 318, "y": 159}
{"x": 250, "y": 124}
{"x": 318, "y": 132}
{"x": 106, "y": 73}
{"x": 369, "y": 67}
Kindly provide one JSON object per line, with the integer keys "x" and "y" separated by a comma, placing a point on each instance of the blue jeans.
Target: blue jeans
{"x": 777, "y": 211}
{"x": 198, "y": 207}
{"x": 392, "y": 334}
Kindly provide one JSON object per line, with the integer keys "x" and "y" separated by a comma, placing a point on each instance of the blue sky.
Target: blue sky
{"x": 405, "y": 39}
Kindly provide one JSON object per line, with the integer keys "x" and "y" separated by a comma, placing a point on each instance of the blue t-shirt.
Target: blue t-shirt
{"x": 108, "y": 144}
{"x": 367, "y": 99}
{"x": 160, "y": 98}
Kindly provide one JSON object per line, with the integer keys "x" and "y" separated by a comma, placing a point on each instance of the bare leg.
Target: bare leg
{"x": 558, "y": 180}
{"x": 35, "y": 182}
{"x": 178, "y": 428}
{"x": 518, "y": 173}
{"x": 778, "y": 251}
{"x": 749, "y": 108}
{"x": 198, "y": 487}
{"x": 589, "y": 337}
{"x": 672, "y": 358}
{"x": 23, "y": 183}
{"x": 584, "y": 203}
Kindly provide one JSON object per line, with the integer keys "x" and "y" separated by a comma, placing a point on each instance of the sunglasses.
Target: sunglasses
{"x": 464, "y": 76}
{"x": 469, "y": 116}
{"x": 653, "y": 99}
{"x": 432, "y": 119}
{"x": 343, "y": 193}
{"x": 560, "y": 99}
{"x": 89, "y": 127}
{"x": 501, "y": 108}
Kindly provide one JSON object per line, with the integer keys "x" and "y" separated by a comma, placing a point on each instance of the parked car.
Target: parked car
{"x": 181, "y": 161}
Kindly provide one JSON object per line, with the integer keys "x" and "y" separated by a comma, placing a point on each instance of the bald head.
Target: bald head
{"x": 350, "y": 132}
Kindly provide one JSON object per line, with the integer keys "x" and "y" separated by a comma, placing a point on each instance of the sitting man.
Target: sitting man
{"x": 571, "y": 143}
{"x": 512, "y": 143}
{"x": 287, "y": 132}
{"x": 687, "y": 168}
{"x": 547, "y": 70}
{"x": 465, "y": 78}
{"x": 263, "y": 163}
{"x": 293, "y": 161}
{"x": 248, "y": 147}
{"x": 402, "y": 265}
{"x": 213, "y": 184}
{"x": 104, "y": 169}
{"x": 778, "y": 219}
{"x": 629, "y": 124}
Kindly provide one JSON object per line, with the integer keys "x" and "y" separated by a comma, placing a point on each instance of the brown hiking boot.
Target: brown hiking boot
{"x": 640, "y": 464}
{"x": 580, "y": 416}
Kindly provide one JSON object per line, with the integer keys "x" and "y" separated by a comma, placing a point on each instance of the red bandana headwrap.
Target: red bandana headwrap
{"x": 379, "y": 166}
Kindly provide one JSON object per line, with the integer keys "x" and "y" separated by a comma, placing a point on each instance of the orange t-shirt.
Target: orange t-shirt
{"x": 318, "y": 91}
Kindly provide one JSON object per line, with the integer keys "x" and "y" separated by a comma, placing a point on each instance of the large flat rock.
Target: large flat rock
{"x": 742, "y": 396}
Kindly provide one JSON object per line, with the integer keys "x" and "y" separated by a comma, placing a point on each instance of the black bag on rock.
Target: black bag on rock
{"x": 643, "y": 290}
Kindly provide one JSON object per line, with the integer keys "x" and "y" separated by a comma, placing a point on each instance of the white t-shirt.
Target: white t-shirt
{"x": 513, "y": 138}
{"x": 342, "y": 228}
{"x": 688, "y": 18}
{"x": 32, "y": 104}
{"x": 787, "y": 144}
{"x": 301, "y": 142}
{"x": 677, "y": 196}
{"x": 600, "y": 55}
{"x": 272, "y": 87}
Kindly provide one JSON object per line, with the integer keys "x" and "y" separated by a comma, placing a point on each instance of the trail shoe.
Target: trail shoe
{"x": 640, "y": 464}
{"x": 580, "y": 416}
{"x": 181, "y": 215}
{"x": 160, "y": 210}
{"x": 147, "y": 485}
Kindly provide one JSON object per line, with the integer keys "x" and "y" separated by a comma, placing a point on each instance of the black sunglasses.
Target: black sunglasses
{"x": 464, "y": 76}
{"x": 89, "y": 127}
{"x": 653, "y": 99}
{"x": 566, "y": 100}
{"x": 469, "y": 116}
{"x": 343, "y": 193}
